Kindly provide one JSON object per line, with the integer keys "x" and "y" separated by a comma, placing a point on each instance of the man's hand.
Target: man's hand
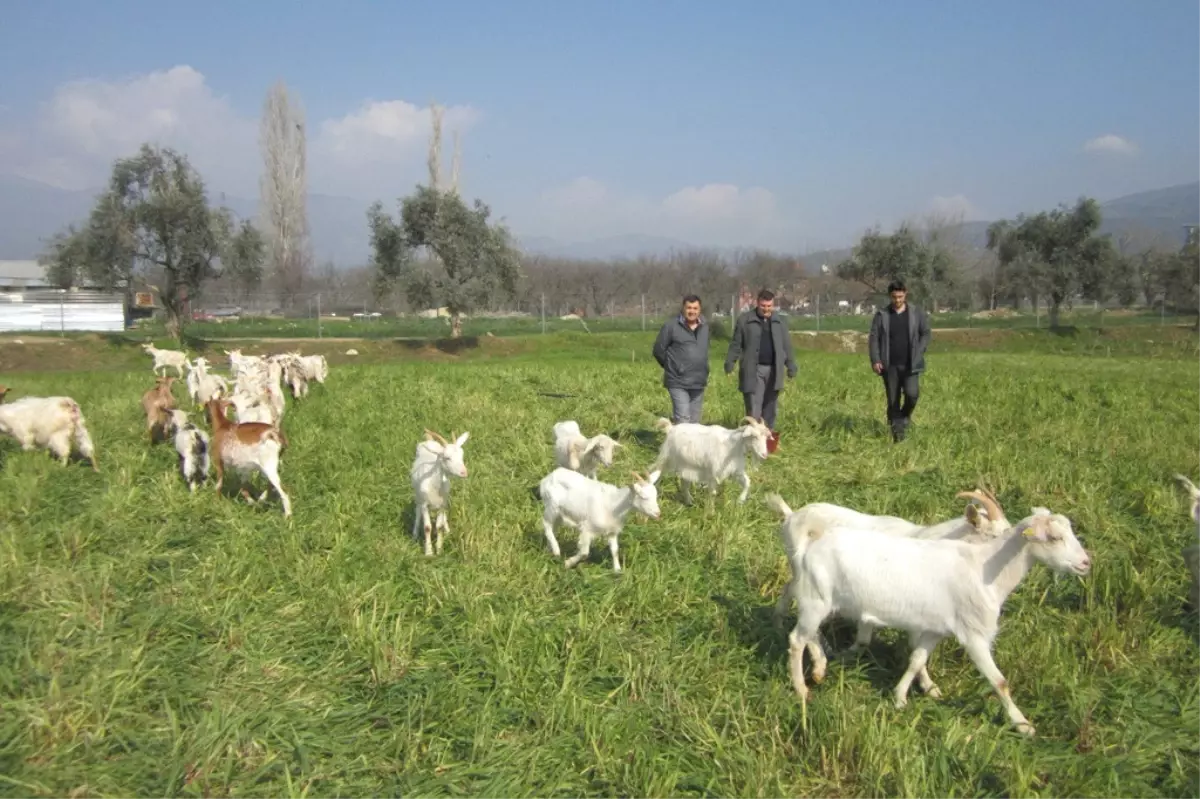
{"x": 878, "y": 367}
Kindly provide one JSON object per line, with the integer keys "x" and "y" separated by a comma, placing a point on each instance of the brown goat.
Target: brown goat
{"x": 158, "y": 402}
{"x": 247, "y": 447}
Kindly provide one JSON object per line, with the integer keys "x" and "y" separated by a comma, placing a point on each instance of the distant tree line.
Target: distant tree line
{"x": 155, "y": 227}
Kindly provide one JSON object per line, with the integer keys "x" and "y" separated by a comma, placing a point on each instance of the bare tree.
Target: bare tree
{"x": 283, "y": 205}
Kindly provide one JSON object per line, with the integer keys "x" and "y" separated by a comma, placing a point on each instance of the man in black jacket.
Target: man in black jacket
{"x": 762, "y": 342}
{"x": 899, "y": 336}
{"x": 681, "y": 349}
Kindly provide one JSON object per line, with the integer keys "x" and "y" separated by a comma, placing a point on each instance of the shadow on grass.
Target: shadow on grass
{"x": 646, "y": 438}
{"x": 450, "y": 346}
{"x": 847, "y": 424}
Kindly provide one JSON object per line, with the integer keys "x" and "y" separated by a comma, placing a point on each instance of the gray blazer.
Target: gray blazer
{"x": 744, "y": 346}
{"x": 918, "y": 337}
{"x": 683, "y": 354}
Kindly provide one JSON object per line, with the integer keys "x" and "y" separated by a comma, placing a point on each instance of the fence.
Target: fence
{"x": 53, "y": 310}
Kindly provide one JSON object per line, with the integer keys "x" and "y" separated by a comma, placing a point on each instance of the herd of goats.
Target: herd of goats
{"x": 932, "y": 581}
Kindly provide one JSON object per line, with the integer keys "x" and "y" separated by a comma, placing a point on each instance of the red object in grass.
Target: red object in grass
{"x": 773, "y": 443}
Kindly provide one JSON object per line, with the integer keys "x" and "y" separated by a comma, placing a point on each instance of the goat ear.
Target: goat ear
{"x": 776, "y": 503}
{"x": 462, "y": 439}
{"x": 654, "y": 475}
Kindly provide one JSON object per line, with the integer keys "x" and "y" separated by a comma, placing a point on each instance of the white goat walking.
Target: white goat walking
{"x": 165, "y": 358}
{"x": 435, "y": 463}
{"x": 710, "y": 454}
{"x": 53, "y": 423}
{"x": 1191, "y": 553}
{"x": 572, "y": 450}
{"x": 931, "y": 589}
{"x": 594, "y": 508}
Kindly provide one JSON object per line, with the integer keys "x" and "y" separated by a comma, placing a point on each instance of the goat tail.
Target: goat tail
{"x": 663, "y": 423}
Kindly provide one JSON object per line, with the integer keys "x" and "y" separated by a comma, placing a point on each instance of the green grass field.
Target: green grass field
{"x": 158, "y": 643}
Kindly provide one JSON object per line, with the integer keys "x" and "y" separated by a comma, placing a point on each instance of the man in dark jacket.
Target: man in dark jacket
{"x": 681, "y": 349}
{"x": 899, "y": 336}
{"x": 762, "y": 342}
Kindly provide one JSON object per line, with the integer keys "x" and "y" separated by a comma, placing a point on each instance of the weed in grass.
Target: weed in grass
{"x": 158, "y": 642}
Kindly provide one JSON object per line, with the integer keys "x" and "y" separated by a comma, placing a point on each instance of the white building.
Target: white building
{"x": 29, "y": 302}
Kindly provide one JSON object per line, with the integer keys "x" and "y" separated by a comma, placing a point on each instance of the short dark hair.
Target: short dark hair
{"x": 897, "y": 285}
{"x": 691, "y": 298}
{"x": 766, "y": 294}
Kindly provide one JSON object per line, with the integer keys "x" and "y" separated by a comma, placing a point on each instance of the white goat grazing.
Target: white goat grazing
{"x": 435, "y": 463}
{"x": 49, "y": 422}
{"x": 710, "y": 454}
{"x": 202, "y": 385}
{"x": 165, "y": 358}
{"x": 579, "y": 454}
{"x": 315, "y": 367}
{"x": 594, "y": 508}
{"x": 973, "y": 526}
{"x": 931, "y": 589}
{"x": 192, "y": 445}
{"x": 239, "y": 363}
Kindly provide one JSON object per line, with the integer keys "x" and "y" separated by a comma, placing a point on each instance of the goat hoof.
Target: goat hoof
{"x": 1026, "y": 729}
{"x": 934, "y": 692}
{"x": 901, "y": 702}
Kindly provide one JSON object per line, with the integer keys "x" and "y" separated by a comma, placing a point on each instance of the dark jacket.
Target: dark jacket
{"x": 747, "y": 335}
{"x": 918, "y": 337}
{"x": 683, "y": 354}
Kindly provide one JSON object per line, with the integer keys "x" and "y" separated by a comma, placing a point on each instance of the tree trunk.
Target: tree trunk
{"x": 455, "y": 324}
{"x": 1055, "y": 302}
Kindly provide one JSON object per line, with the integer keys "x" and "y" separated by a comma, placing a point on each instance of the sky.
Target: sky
{"x": 791, "y": 125}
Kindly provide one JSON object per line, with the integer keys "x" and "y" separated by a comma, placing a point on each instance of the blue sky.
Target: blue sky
{"x": 785, "y": 124}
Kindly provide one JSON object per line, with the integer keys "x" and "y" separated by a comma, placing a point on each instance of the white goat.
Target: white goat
{"x": 710, "y": 454}
{"x": 239, "y": 363}
{"x": 294, "y": 374}
{"x": 579, "y": 454}
{"x": 594, "y": 508}
{"x": 192, "y": 444}
{"x": 973, "y": 526}
{"x": 53, "y": 423}
{"x": 1191, "y": 553}
{"x": 435, "y": 463}
{"x": 165, "y": 358}
{"x": 202, "y": 385}
{"x": 931, "y": 589}
{"x": 315, "y": 367}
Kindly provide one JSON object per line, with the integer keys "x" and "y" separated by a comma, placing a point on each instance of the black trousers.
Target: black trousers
{"x": 903, "y": 390}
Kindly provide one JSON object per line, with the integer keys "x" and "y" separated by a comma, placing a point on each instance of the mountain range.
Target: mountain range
{"x": 31, "y": 212}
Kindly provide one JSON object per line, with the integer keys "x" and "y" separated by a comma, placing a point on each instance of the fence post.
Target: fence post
{"x": 318, "y": 314}
{"x": 643, "y": 313}
{"x": 543, "y": 313}
{"x": 62, "y": 321}
{"x": 818, "y": 312}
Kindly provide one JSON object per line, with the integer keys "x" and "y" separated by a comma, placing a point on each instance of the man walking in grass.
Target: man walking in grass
{"x": 762, "y": 342}
{"x": 681, "y": 349}
{"x": 897, "y": 342}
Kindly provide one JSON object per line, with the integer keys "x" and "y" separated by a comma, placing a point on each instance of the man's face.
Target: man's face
{"x": 691, "y": 311}
{"x": 898, "y": 298}
{"x": 766, "y": 308}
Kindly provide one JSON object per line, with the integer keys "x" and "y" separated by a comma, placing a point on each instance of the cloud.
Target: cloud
{"x": 1110, "y": 143}
{"x": 715, "y": 214}
{"x": 954, "y": 207}
{"x": 86, "y": 124}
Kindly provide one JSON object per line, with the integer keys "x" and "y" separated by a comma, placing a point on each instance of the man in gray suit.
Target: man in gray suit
{"x": 899, "y": 336}
{"x": 681, "y": 349}
{"x": 762, "y": 342}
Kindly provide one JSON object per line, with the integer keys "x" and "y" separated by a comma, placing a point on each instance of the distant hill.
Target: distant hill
{"x": 31, "y": 212}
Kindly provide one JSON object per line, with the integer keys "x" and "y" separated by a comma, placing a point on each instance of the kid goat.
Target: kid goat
{"x": 595, "y": 508}
{"x": 710, "y": 454}
{"x": 49, "y": 422}
{"x": 435, "y": 463}
{"x": 247, "y": 447}
{"x": 931, "y": 589}
{"x": 579, "y": 454}
{"x": 192, "y": 444}
{"x": 158, "y": 402}
{"x": 165, "y": 358}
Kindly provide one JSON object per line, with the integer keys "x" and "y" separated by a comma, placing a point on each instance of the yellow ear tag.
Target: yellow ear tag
{"x": 1030, "y": 532}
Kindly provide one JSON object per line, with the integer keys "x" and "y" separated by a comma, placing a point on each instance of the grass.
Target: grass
{"x": 154, "y": 642}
